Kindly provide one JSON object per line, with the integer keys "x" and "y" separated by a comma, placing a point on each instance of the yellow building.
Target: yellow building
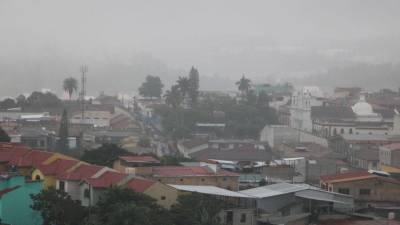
{"x": 49, "y": 172}
{"x": 196, "y": 175}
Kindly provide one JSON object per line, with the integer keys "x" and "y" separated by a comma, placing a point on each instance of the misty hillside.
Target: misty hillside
{"x": 369, "y": 76}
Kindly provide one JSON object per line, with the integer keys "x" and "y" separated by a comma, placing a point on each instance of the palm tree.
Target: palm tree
{"x": 244, "y": 85}
{"x": 174, "y": 96}
{"x": 70, "y": 86}
{"x": 184, "y": 85}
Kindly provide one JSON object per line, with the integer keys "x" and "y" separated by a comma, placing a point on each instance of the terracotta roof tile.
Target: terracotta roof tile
{"x": 141, "y": 159}
{"x": 393, "y": 146}
{"x": 33, "y": 158}
{"x": 186, "y": 171}
{"x": 356, "y": 175}
{"x": 107, "y": 179}
{"x": 140, "y": 184}
{"x": 57, "y": 167}
{"x": 82, "y": 172}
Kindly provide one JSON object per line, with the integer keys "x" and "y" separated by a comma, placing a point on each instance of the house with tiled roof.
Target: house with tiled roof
{"x": 367, "y": 188}
{"x": 93, "y": 187}
{"x": 197, "y": 175}
{"x": 49, "y": 172}
{"x": 389, "y": 157}
{"x": 139, "y": 165}
{"x": 70, "y": 181}
{"x": 164, "y": 194}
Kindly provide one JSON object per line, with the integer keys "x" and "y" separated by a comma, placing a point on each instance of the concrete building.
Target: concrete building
{"x": 368, "y": 189}
{"x": 278, "y": 134}
{"x": 236, "y": 212}
{"x": 300, "y": 108}
{"x": 285, "y": 203}
{"x": 137, "y": 165}
{"x": 389, "y": 156}
{"x": 15, "y": 201}
{"x": 196, "y": 175}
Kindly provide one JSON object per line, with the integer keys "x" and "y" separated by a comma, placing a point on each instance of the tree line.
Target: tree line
{"x": 244, "y": 115}
{"x": 119, "y": 206}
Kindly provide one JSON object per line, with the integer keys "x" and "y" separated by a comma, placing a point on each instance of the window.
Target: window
{"x": 61, "y": 185}
{"x": 243, "y": 218}
{"x": 342, "y": 131}
{"x": 351, "y": 131}
{"x": 163, "y": 198}
{"x": 181, "y": 180}
{"x": 345, "y": 191}
{"x": 365, "y": 191}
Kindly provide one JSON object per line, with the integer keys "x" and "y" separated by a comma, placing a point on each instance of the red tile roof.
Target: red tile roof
{"x": 347, "y": 175}
{"x": 140, "y": 184}
{"x": 82, "y": 172}
{"x": 188, "y": 171}
{"x": 10, "y": 154}
{"x": 57, "y": 167}
{"x": 139, "y": 159}
{"x": 356, "y": 175}
{"x": 33, "y": 158}
{"x": 6, "y": 190}
{"x": 393, "y": 146}
{"x": 107, "y": 179}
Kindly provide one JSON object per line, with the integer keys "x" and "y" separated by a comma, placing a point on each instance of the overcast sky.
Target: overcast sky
{"x": 210, "y": 34}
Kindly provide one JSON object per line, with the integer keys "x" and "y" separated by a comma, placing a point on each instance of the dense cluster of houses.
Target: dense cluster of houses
{"x": 25, "y": 171}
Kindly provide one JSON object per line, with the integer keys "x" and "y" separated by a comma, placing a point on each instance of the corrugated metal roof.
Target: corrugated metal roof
{"x": 275, "y": 190}
{"x": 210, "y": 190}
{"x": 325, "y": 196}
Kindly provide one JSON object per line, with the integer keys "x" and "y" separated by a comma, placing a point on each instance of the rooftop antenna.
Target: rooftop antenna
{"x": 83, "y": 70}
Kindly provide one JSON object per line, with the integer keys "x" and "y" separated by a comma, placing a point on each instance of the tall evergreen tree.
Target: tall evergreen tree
{"x": 194, "y": 86}
{"x": 4, "y": 136}
{"x": 63, "y": 133}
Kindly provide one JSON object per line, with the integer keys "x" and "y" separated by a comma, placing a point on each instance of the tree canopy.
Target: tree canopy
{"x": 70, "y": 85}
{"x": 104, "y": 155}
{"x": 152, "y": 87}
{"x": 63, "y": 133}
{"x": 8, "y": 103}
{"x": 57, "y": 208}
{"x": 4, "y": 136}
{"x": 196, "y": 209}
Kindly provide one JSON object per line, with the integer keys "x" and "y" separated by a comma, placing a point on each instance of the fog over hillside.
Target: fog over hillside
{"x": 44, "y": 41}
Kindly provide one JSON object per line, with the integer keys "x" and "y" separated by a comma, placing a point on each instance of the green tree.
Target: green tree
{"x": 184, "y": 85}
{"x": 196, "y": 209}
{"x": 70, "y": 85}
{"x": 21, "y": 100}
{"x": 125, "y": 206}
{"x": 263, "y": 99}
{"x": 104, "y": 155}
{"x": 4, "y": 136}
{"x": 244, "y": 85}
{"x": 63, "y": 133}
{"x": 8, "y": 103}
{"x": 57, "y": 208}
{"x": 152, "y": 87}
{"x": 173, "y": 97}
{"x": 194, "y": 86}
{"x": 40, "y": 100}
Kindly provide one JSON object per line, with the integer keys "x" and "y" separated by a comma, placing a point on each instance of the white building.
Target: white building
{"x": 300, "y": 108}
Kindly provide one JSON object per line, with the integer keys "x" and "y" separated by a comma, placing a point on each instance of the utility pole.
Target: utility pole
{"x": 83, "y": 70}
